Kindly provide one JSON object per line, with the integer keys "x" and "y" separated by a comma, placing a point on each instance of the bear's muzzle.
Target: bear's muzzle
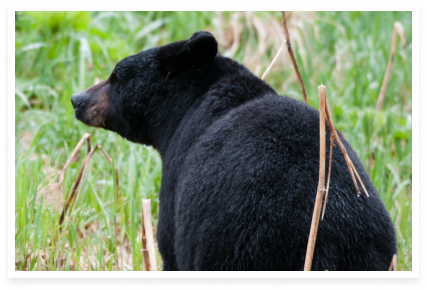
{"x": 90, "y": 106}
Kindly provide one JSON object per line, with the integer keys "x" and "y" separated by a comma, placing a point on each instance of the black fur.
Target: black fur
{"x": 240, "y": 167}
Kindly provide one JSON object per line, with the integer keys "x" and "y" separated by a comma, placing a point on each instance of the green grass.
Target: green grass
{"x": 58, "y": 54}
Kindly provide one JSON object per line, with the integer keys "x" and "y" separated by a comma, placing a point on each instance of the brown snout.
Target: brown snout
{"x": 91, "y": 106}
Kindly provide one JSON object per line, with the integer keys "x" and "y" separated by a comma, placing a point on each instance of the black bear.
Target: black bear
{"x": 240, "y": 165}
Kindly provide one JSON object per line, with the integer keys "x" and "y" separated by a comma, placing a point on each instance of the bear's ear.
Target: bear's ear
{"x": 202, "y": 47}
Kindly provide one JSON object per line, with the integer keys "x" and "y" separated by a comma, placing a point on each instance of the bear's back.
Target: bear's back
{"x": 246, "y": 194}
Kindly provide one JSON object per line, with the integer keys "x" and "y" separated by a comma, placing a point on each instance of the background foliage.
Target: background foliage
{"x": 61, "y": 53}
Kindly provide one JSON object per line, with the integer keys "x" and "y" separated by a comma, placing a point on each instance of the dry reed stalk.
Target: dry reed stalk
{"x": 147, "y": 231}
{"x": 76, "y": 188}
{"x": 321, "y": 191}
{"x": 61, "y": 173}
{"x": 321, "y": 184}
{"x": 393, "y": 264}
{"x": 397, "y": 29}
{"x": 146, "y": 258}
{"x": 54, "y": 191}
{"x": 274, "y": 60}
{"x": 291, "y": 54}
{"x": 86, "y": 137}
{"x": 350, "y": 164}
{"x": 329, "y": 173}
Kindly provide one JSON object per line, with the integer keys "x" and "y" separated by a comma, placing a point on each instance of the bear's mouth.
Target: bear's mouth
{"x": 80, "y": 112}
{"x": 77, "y": 106}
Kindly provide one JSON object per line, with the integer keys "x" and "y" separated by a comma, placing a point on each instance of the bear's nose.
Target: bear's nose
{"x": 76, "y": 100}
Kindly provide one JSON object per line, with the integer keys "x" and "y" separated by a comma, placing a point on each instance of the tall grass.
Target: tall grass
{"x": 60, "y": 53}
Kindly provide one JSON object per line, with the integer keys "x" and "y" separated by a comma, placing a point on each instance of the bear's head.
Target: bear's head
{"x": 147, "y": 91}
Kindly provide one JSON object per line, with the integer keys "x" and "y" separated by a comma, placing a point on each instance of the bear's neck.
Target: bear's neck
{"x": 211, "y": 92}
